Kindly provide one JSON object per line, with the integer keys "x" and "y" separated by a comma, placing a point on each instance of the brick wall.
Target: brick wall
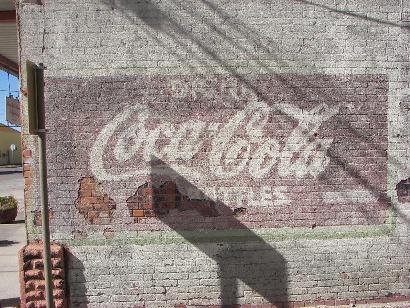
{"x": 215, "y": 153}
{"x": 32, "y": 280}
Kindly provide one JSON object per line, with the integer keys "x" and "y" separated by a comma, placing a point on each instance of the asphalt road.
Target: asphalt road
{"x": 12, "y": 238}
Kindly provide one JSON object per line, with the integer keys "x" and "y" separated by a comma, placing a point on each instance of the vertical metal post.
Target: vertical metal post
{"x": 45, "y": 220}
{"x": 35, "y": 83}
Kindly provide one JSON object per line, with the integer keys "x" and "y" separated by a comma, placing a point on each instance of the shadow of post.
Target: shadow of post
{"x": 76, "y": 288}
{"x": 243, "y": 255}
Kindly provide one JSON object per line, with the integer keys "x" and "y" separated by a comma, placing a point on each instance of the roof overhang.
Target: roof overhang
{"x": 8, "y": 16}
{"x": 8, "y": 37}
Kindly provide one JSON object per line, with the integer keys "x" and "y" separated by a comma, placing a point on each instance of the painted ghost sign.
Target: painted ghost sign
{"x": 228, "y": 157}
{"x": 291, "y": 150}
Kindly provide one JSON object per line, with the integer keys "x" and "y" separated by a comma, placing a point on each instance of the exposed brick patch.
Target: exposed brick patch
{"x": 151, "y": 201}
{"x": 32, "y": 283}
{"x": 92, "y": 203}
{"x": 79, "y": 235}
{"x": 108, "y": 232}
{"x": 239, "y": 211}
{"x": 37, "y": 217}
{"x": 26, "y": 157}
{"x": 344, "y": 275}
{"x": 403, "y": 190}
{"x": 26, "y": 153}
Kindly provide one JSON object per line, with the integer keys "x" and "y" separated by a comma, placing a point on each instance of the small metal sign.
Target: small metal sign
{"x": 13, "y": 110}
{"x": 13, "y": 147}
{"x": 35, "y": 83}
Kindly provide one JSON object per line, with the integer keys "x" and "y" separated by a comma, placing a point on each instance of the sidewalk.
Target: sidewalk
{"x": 12, "y": 238}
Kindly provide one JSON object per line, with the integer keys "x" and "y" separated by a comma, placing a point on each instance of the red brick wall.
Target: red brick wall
{"x": 32, "y": 282}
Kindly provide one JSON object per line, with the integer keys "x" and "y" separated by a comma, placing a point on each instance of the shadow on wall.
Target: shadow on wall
{"x": 245, "y": 257}
{"x": 258, "y": 265}
{"x": 161, "y": 21}
{"x": 76, "y": 288}
{"x": 355, "y": 15}
{"x": 241, "y": 255}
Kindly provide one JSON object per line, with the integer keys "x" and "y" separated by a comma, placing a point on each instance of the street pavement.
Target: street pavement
{"x": 12, "y": 238}
{"x": 11, "y": 183}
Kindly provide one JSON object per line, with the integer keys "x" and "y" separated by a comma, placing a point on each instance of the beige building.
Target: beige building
{"x": 8, "y": 137}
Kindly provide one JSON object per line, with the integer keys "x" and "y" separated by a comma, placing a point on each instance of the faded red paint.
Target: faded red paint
{"x": 357, "y": 151}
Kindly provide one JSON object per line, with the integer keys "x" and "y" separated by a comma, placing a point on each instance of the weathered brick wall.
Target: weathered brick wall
{"x": 224, "y": 152}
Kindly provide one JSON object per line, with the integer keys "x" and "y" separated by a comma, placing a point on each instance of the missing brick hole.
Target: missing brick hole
{"x": 159, "y": 201}
{"x": 403, "y": 191}
{"x": 239, "y": 211}
{"x": 79, "y": 235}
{"x": 95, "y": 206}
{"x": 108, "y": 233}
{"x": 37, "y": 217}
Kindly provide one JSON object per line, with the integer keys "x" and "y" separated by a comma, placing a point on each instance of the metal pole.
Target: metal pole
{"x": 41, "y": 132}
{"x": 36, "y": 126}
{"x": 45, "y": 220}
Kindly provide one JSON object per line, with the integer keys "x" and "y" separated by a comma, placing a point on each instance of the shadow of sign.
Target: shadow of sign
{"x": 245, "y": 257}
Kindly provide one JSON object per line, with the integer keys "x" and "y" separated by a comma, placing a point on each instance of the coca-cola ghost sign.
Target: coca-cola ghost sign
{"x": 229, "y": 156}
{"x": 311, "y": 148}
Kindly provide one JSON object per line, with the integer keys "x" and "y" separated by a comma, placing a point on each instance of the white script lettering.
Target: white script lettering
{"x": 238, "y": 146}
